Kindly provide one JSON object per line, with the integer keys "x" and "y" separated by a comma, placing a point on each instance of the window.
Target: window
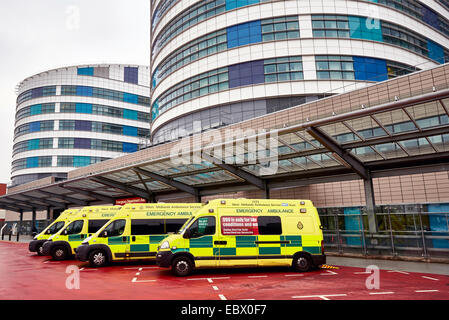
{"x": 269, "y": 225}
{"x": 115, "y": 228}
{"x": 397, "y": 69}
{"x": 330, "y": 26}
{"x": 400, "y": 36}
{"x": 95, "y": 225}
{"x": 203, "y": 226}
{"x": 283, "y": 69}
{"x": 75, "y": 227}
{"x": 36, "y": 93}
{"x": 335, "y": 67}
{"x": 147, "y": 226}
{"x": 55, "y": 227}
{"x": 173, "y": 225}
{"x": 66, "y": 143}
{"x": 280, "y": 28}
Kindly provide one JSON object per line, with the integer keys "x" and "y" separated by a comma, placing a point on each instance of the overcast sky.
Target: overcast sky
{"x": 37, "y": 35}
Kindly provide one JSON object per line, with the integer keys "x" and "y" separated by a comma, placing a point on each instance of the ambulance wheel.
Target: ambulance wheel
{"x": 39, "y": 250}
{"x": 182, "y": 266}
{"x": 98, "y": 258}
{"x": 302, "y": 263}
{"x": 59, "y": 253}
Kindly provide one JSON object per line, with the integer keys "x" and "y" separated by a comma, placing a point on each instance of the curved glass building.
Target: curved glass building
{"x": 217, "y": 62}
{"x": 72, "y": 117}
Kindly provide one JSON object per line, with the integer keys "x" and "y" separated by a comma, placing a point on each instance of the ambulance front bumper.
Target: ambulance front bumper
{"x": 164, "y": 258}
{"x": 35, "y": 244}
{"x": 82, "y": 252}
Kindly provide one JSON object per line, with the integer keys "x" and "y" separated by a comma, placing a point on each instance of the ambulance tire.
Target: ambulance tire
{"x": 98, "y": 258}
{"x": 59, "y": 253}
{"x": 302, "y": 262}
{"x": 182, "y": 266}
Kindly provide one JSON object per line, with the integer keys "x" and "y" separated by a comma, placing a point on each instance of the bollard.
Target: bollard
{"x": 10, "y": 234}
{"x": 18, "y": 233}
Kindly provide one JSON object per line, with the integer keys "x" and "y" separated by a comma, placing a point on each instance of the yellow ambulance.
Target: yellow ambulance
{"x": 243, "y": 232}
{"x": 38, "y": 241}
{"x": 85, "y": 223}
{"x": 135, "y": 233}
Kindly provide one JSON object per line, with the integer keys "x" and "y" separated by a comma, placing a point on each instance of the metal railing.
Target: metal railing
{"x": 400, "y": 234}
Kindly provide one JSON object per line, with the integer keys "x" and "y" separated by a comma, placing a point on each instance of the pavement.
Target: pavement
{"x": 26, "y": 276}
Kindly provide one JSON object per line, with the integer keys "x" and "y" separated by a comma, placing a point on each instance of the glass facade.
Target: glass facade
{"x": 78, "y": 161}
{"x": 36, "y": 93}
{"x": 102, "y": 127}
{"x": 96, "y": 144}
{"x": 103, "y": 110}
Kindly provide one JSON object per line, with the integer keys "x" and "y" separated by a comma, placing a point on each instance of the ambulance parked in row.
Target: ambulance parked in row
{"x": 38, "y": 241}
{"x": 135, "y": 232}
{"x": 85, "y": 223}
{"x": 246, "y": 233}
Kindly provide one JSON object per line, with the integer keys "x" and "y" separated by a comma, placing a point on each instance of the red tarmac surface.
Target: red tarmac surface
{"x": 26, "y": 276}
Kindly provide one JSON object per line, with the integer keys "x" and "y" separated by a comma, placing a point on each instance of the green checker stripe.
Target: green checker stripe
{"x": 269, "y": 250}
{"x": 245, "y": 241}
{"x": 312, "y": 250}
{"x": 225, "y": 251}
{"x": 295, "y": 241}
{"x": 117, "y": 240}
{"x": 156, "y": 239}
{"x": 140, "y": 247}
{"x": 76, "y": 237}
{"x": 180, "y": 250}
{"x": 204, "y": 242}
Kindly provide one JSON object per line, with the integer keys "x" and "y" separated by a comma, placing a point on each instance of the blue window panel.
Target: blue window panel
{"x": 129, "y": 97}
{"x": 155, "y": 110}
{"x": 33, "y": 162}
{"x": 436, "y": 52}
{"x": 246, "y": 73}
{"x": 233, "y": 4}
{"x": 37, "y": 92}
{"x": 370, "y": 69}
{"x": 130, "y": 114}
{"x": 86, "y": 71}
{"x": 132, "y": 75}
{"x": 33, "y": 144}
{"x": 154, "y": 81}
{"x": 129, "y": 147}
{"x": 82, "y": 143}
{"x": 130, "y": 131}
{"x": 430, "y": 17}
{"x": 36, "y": 109}
{"x": 83, "y": 108}
{"x": 365, "y": 28}
{"x": 438, "y": 223}
{"x": 35, "y": 126}
{"x": 81, "y": 125}
{"x": 81, "y": 161}
{"x": 244, "y": 33}
{"x": 84, "y": 91}
{"x": 353, "y": 224}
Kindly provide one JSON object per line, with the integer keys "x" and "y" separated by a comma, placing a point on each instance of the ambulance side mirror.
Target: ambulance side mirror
{"x": 64, "y": 232}
{"x": 187, "y": 234}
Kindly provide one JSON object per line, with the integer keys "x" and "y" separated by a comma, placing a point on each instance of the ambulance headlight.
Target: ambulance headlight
{"x": 165, "y": 245}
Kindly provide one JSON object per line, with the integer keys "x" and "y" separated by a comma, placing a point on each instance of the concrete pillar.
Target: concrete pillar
{"x": 370, "y": 204}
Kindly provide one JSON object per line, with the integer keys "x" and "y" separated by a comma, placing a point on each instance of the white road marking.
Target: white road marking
{"x": 329, "y": 273}
{"x": 81, "y": 269}
{"x": 215, "y": 288}
{"x": 294, "y": 275}
{"x": 387, "y": 292}
{"x": 323, "y": 296}
{"x": 222, "y": 297}
{"x": 84, "y": 269}
{"x": 257, "y": 276}
{"x": 209, "y": 280}
{"x": 135, "y": 280}
{"x": 138, "y": 274}
{"x": 427, "y": 290}
{"x": 430, "y": 278}
{"x": 397, "y": 271}
{"x": 141, "y": 268}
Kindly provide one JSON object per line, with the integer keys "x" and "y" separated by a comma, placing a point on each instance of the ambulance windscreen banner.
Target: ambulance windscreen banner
{"x": 239, "y": 226}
